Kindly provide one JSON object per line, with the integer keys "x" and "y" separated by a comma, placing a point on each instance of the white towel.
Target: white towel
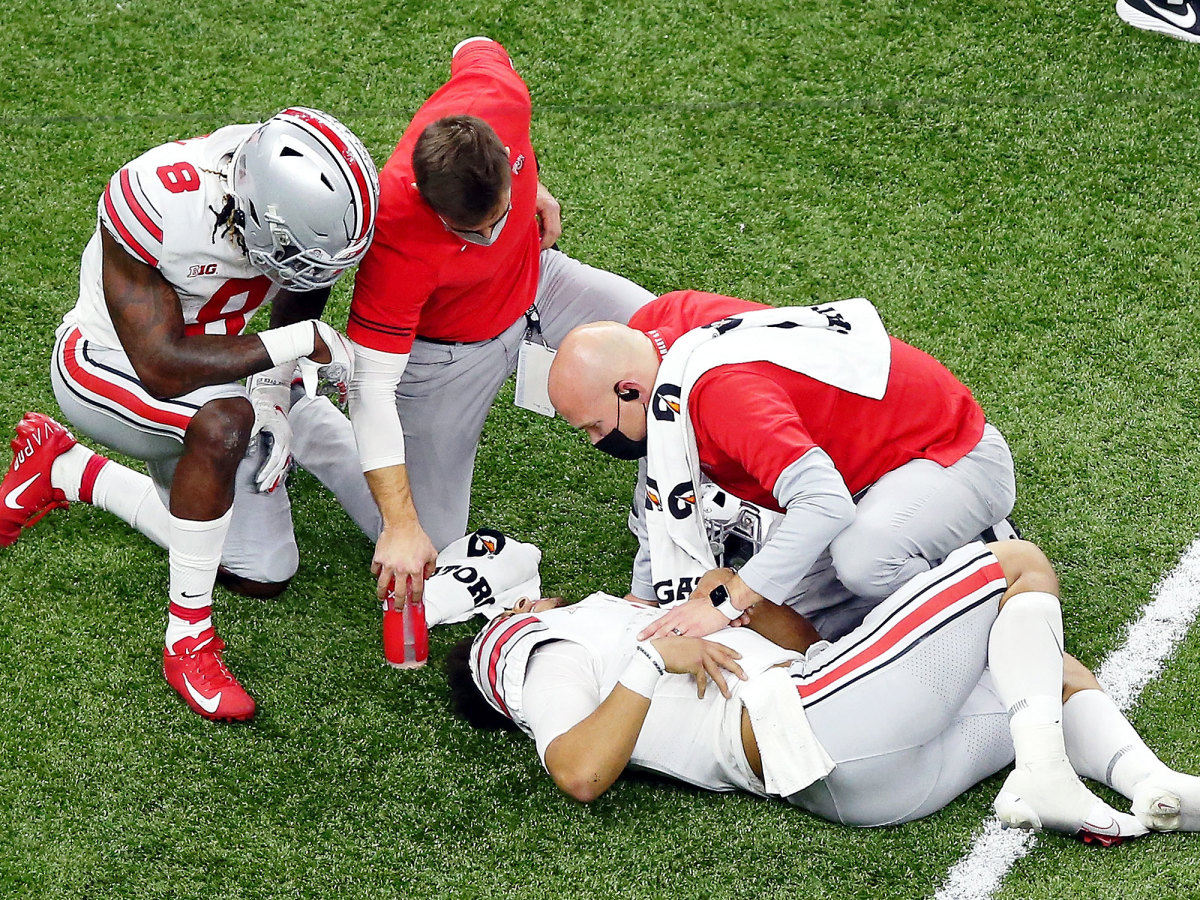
{"x": 792, "y": 757}
{"x": 483, "y": 573}
{"x": 842, "y": 344}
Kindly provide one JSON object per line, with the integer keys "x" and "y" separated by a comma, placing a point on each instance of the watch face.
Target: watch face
{"x": 718, "y": 595}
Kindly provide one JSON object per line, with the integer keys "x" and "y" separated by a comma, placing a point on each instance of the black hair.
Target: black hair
{"x": 465, "y": 697}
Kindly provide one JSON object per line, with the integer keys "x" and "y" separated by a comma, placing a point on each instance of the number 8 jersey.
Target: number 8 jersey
{"x": 163, "y": 209}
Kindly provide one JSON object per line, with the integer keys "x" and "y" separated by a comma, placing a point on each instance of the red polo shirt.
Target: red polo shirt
{"x": 753, "y": 420}
{"x": 419, "y": 278}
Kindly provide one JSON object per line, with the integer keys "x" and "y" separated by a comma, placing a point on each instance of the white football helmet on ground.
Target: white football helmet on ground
{"x": 737, "y": 529}
{"x": 306, "y": 194}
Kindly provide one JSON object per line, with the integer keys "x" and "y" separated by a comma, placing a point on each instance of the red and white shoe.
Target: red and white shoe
{"x": 1050, "y": 796}
{"x": 200, "y": 677}
{"x": 26, "y": 493}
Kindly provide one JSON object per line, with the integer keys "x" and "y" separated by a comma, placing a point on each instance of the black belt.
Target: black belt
{"x": 532, "y": 318}
{"x": 429, "y": 340}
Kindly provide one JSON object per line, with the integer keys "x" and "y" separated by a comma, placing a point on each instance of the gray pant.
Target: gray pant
{"x": 448, "y": 389}
{"x": 904, "y": 705}
{"x": 106, "y": 402}
{"x": 920, "y": 512}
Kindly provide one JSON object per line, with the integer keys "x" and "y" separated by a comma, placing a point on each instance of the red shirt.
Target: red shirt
{"x": 753, "y": 420}
{"x": 419, "y": 278}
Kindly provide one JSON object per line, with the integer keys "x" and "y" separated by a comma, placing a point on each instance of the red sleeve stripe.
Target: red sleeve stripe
{"x": 344, "y": 152}
{"x": 497, "y": 651}
{"x": 129, "y": 240}
{"x": 135, "y": 207}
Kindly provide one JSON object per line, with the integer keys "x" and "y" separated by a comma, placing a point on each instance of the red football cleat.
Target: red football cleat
{"x": 26, "y": 493}
{"x": 206, "y": 685}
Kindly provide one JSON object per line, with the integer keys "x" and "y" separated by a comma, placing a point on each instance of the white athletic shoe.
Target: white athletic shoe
{"x": 1169, "y": 801}
{"x": 1176, "y": 18}
{"x": 1051, "y": 796}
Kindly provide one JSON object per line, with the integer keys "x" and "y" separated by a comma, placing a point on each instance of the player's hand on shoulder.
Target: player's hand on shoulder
{"x": 405, "y": 556}
{"x": 703, "y": 660}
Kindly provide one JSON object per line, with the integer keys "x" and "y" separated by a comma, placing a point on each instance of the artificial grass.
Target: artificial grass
{"x": 1012, "y": 185}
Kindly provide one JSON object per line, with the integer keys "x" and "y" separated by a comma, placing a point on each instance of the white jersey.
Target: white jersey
{"x": 691, "y": 740}
{"x": 162, "y": 208}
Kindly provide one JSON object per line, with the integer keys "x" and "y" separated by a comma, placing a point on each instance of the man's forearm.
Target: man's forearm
{"x": 586, "y": 760}
{"x": 818, "y": 508}
{"x": 389, "y": 486}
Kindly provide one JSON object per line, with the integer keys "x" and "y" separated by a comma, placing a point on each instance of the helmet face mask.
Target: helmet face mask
{"x": 306, "y": 194}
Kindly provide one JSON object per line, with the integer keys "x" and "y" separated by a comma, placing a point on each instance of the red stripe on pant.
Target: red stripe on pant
{"x": 122, "y": 397}
{"x": 936, "y": 604}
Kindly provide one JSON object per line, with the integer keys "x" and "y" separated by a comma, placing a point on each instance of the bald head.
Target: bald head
{"x": 592, "y": 364}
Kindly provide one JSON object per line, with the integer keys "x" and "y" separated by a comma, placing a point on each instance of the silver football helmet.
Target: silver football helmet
{"x": 306, "y": 194}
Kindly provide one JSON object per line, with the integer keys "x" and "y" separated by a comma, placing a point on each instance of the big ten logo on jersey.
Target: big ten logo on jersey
{"x": 675, "y": 590}
{"x": 468, "y": 576}
{"x": 202, "y": 269}
{"x": 518, "y": 164}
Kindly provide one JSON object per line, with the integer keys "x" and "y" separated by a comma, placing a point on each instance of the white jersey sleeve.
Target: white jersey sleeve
{"x": 162, "y": 209}
{"x": 129, "y": 213}
{"x": 562, "y": 689}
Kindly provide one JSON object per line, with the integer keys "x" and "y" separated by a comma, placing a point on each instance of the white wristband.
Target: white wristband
{"x": 289, "y": 342}
{"x": 644, "y": 670}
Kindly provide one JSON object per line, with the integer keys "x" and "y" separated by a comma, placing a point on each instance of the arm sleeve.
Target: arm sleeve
{"x": 560, "y": 691}
{"x": 373, "y": 414}
{"x": 817, "y": 507}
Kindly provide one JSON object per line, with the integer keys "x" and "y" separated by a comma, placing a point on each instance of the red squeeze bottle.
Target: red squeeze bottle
{"x": 405, "y": 634}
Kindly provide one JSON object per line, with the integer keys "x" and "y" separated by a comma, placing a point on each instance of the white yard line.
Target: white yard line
{"x": 1149, "y": 641}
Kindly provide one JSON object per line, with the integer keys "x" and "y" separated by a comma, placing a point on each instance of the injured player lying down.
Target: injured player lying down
{"x": 939, "y": 688}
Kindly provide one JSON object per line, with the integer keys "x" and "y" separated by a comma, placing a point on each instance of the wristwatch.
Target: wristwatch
{"x": 724, "y": 603}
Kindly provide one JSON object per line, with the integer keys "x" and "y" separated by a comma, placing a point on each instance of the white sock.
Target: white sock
{"x": 1025, "y": 655}
{"x": 1103, "y": 745}
{"x": 83, "y": 475}
{"x": 195, "y": 553}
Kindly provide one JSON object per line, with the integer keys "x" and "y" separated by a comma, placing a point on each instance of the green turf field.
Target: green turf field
{"x": 1014, "y": 185}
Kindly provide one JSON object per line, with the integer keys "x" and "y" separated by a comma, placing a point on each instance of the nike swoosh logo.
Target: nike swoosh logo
{"x": 1183, "y": 21}
{"x": 1109, "y": 828}
{"x": 190, "y": 596}
{"x": 209, "y": 705}
{"x": 11, "y": 499}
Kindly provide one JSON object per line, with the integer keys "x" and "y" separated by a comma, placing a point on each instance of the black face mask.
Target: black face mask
{"x": 617, "y": 443}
